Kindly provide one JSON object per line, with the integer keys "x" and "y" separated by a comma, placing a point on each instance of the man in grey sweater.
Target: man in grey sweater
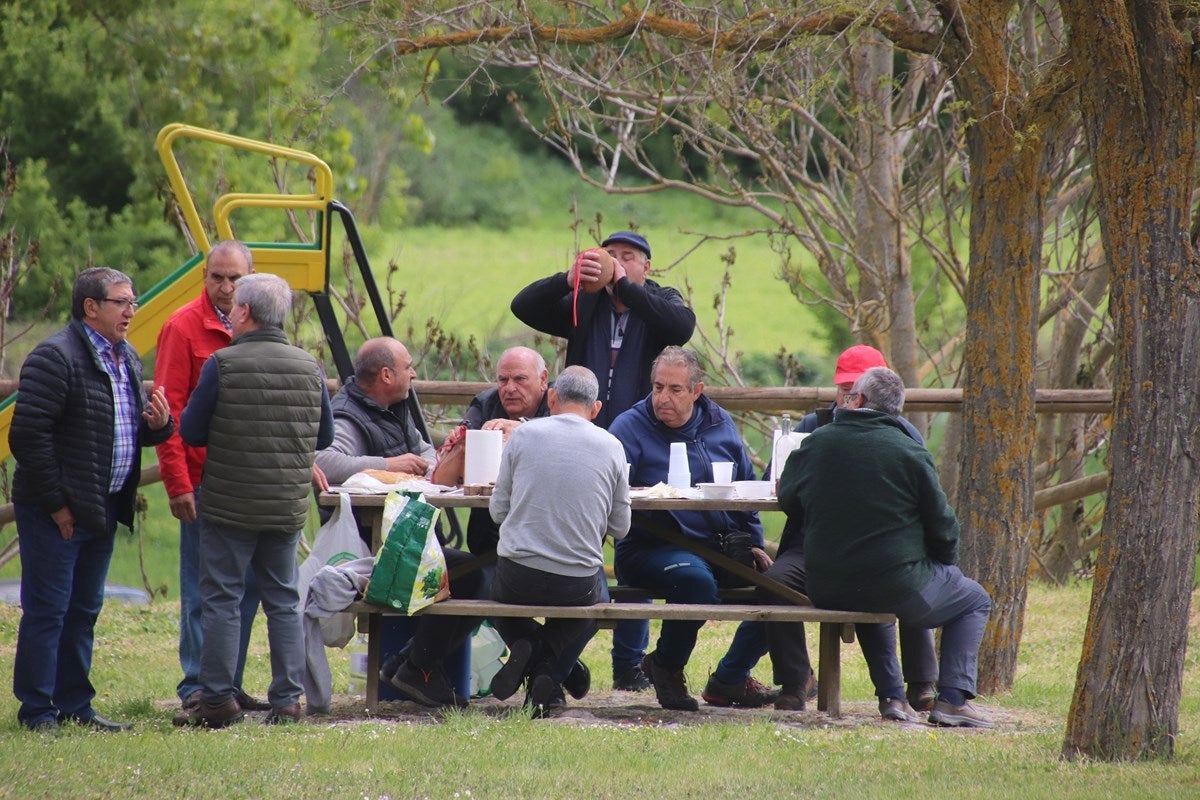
{"x": 561, "y": 489}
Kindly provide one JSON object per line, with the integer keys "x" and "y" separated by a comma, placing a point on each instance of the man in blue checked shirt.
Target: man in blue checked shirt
{"x": 79, "y": 424}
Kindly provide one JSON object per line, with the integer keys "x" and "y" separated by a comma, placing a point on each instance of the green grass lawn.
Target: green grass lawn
{"x": 472, "y": 754}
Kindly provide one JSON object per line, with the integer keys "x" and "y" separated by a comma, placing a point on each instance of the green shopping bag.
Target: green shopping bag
{"x": 410, "y": 568}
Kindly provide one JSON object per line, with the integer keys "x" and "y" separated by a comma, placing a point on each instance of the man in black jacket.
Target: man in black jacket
{"x": 78, "y": 427}
{"x": 616, "y": 333}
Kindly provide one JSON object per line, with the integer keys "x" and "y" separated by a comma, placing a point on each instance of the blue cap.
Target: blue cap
{"x": 630, "y": 238}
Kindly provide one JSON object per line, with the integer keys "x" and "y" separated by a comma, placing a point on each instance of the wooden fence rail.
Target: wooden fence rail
{"x": 776, "y": 400}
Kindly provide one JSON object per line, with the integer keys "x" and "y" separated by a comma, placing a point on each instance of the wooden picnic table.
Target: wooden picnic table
{"x": 836, "y": 627}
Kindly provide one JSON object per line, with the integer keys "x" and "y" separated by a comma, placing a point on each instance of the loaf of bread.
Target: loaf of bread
{"x": 383, "y": 476}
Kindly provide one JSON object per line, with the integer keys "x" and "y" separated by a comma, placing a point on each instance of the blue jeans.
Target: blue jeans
{"x": 683, "y": 577}
{"x": 191, "y": 637}
{"x": 62, "y": 591}
{"x": 225, "y": 555}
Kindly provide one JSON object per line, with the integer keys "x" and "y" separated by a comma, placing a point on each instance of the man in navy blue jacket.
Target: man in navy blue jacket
{"x": 678, "y": 411}
{"x": 615, "y": 333}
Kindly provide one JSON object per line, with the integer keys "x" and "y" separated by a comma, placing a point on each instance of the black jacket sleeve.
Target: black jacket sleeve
{"x": 661, "y": 308}
{"x": 545, "y": 305}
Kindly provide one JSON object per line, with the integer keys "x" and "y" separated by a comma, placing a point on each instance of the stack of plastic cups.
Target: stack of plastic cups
{"x": 679, "y": 474}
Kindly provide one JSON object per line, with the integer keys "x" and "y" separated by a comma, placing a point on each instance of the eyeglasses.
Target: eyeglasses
{"x": 132, "y": 305}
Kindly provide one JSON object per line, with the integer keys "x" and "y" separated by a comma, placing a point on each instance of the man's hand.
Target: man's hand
{"x": 507, "y": 426}
{"x": 158, "y": 411}
{"x": 65, "y": 521}
{"x": 762, "y": 561}
{"x": 410, "y": 463}
{"x": 587, "y": 267}
{"x": 320, "y": 479}
{"x": 183, "y": 507}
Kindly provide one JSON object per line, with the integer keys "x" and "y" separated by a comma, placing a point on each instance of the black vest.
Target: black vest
{"x": 387, "y": 431}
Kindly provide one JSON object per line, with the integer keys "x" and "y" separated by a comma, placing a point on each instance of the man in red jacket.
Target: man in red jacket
{"x": 185, "y": 342}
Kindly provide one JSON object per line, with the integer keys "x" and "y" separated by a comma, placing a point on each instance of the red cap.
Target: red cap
{"x": 855, "y": 361}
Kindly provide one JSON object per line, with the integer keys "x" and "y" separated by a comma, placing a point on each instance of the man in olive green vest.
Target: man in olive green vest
{"x": 262, "y": 409}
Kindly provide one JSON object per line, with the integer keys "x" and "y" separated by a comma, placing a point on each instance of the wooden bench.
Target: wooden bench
{"x": 835, "y": 627}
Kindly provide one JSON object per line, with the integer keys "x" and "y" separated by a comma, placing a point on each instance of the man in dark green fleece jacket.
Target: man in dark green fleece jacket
{"x": 880, "y": 536}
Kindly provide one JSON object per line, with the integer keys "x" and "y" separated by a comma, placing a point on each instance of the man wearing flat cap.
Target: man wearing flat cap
{"x": 616, "y": 333}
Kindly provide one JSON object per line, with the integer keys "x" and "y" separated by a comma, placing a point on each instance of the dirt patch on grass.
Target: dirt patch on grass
{"x": 641, "y": 709}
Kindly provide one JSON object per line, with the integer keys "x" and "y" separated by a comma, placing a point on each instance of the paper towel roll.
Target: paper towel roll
{"x": 482, "y": 456}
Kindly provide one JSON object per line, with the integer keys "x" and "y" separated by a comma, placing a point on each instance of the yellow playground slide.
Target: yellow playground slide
{"x": 303, "y": 265}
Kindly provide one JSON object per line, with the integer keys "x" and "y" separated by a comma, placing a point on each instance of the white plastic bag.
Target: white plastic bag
{"x": 337, "y": 542}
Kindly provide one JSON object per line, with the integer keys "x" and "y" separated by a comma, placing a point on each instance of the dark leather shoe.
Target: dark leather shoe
{"x": 99, "y": 723}
{"x": 579, "y": 681}
{"x": 512, "y": 675}
{"x": 897, "y": 709}
{"x": 287, "y": 715}
{"x": 545, "y": 698}
{"x": 249, "y": 703}
{"x": 631, "y": 680}
{"x": 921, "y": 696}
{"x": 221, "y": 715}
{"x": 670, "y": 685}
{"x": 43, "y": 725}
{"x": 192, "y": 701}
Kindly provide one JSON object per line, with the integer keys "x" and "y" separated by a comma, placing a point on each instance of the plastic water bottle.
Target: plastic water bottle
{"x": 358, "y": 665}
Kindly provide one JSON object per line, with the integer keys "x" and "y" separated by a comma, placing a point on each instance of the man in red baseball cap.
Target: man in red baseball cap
{"x": 789, "y": 652}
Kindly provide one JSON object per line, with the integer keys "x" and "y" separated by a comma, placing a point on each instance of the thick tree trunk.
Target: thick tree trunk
{"x": 998, "y": 388}
{"x": 1138, "y": 85}
{"x": 995, "y": 482}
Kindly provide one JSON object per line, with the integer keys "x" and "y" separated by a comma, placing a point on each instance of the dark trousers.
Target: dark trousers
{"x": 62, "y": 591}
{"x": 437, "y": 637}
{"x": 557, "y": 642}
{"x": 789, "y": 651}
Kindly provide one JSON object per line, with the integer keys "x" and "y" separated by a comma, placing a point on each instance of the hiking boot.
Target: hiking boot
{"x": 964, "y": 716}
{"x": 192, "y": 701}
{"x": 631, "y": 680}
{"x": 579, "y": 682}
{"x": 545, "y": 698}
{"x": 921, "y": 696}
{"x": 249, "y": 703}
{"x": 670, "y": 685}
{"x": 284, "y": 715}
{"x": 509, "y": 677}
{"x": 750, "y": 693}
{"x": 429, "y": 687}
{"x": 792, "y": 699}
{"x": 897, "y": 709}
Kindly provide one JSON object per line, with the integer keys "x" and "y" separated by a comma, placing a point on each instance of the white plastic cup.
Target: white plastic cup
{"x": 722, "y": 471}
